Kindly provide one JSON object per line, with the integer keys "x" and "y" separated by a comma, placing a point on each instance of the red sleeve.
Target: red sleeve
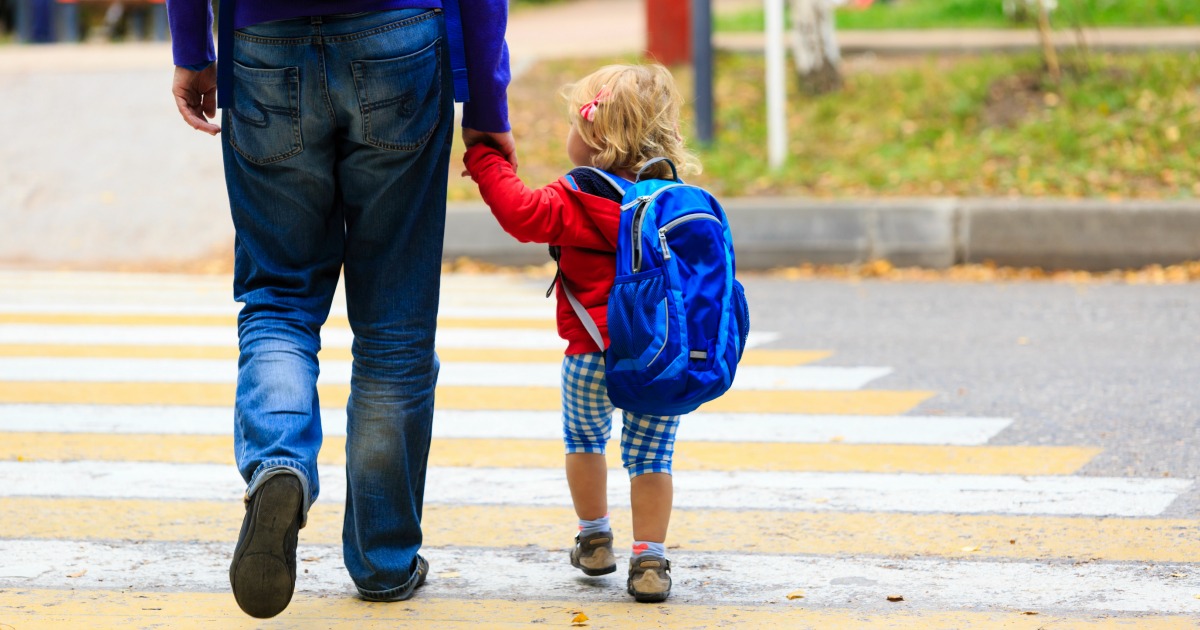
{"x": 553, "y": 214}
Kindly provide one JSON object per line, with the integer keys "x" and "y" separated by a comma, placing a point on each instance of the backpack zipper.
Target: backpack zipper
{"x": 662, "y": 232}
{"x": 636, "y": 230}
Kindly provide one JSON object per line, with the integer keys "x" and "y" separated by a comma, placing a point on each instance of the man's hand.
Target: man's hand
{"x": 502, "y": 142}
{"x": 196, "y": 97}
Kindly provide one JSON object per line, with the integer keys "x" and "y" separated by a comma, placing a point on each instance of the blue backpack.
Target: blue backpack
{"x": 677, "y": 318}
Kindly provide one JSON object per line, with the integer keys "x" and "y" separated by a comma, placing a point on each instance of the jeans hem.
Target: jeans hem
{"x": 273, "y": 467}
{"x": 398, "y": 594}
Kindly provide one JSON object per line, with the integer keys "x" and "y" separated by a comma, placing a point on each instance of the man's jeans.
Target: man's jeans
{"x": 336, "y": 156}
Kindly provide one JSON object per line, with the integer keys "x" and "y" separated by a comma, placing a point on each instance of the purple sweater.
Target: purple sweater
{"x": 484, "y": 22}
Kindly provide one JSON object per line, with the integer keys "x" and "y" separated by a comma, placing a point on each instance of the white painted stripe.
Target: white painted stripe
{"x": 750, "y": 377}
{"x": 74, "y": 305}
{"x": 698, "y": 427}
{"x": 332, "y": 337}
{"x": 533, "y": 574}
{"x": 962, "y": 494}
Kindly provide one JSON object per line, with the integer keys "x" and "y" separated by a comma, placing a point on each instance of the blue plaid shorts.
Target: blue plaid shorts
{"x": 647, "y": 442}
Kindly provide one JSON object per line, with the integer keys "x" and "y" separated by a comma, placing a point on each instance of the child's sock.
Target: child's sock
{"x": 587, "y": 528}
{"x": 642, "y": 547}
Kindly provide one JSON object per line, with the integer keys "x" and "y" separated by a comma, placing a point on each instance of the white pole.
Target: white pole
{"x": 776, "y": 86}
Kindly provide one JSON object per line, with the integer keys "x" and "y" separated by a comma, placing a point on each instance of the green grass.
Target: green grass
{"x": 917, "y": 14}
{"x": 1124, "y": 130}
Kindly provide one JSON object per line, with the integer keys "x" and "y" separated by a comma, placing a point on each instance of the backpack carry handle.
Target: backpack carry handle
{"x": 647, "y": 165}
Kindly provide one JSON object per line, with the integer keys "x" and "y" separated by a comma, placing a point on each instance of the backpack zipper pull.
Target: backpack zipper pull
{"x": 662, "y": 239}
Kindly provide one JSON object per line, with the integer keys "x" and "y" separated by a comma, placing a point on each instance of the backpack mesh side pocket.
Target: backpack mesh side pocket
{"x": 637, "y": 315}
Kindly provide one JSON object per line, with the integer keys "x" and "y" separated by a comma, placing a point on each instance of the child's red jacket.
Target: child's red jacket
{"x": 583, "y": 225}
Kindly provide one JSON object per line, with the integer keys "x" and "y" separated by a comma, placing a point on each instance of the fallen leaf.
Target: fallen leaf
{"x": 77, "y": 574}
{"x": 1178, "y": 575}
{"x": 895, "y": 598}
{"x": 796, "y": 595}
{"x": 1012, "y": 541}
{"x": 1029, "y": 612}
{"x": 580, "y": 620}
{"x": 449, "y": 574}
{"x": 970, "y": 549}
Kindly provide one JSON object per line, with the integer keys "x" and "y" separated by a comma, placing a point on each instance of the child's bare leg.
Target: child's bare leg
{"x": 651, "y": 495}
{"x": 587, "y": 475}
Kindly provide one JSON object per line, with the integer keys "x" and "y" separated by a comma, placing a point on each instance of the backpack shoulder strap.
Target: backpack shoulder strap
{"x": 588, "y": 323}
{"x": 612, "y": 180}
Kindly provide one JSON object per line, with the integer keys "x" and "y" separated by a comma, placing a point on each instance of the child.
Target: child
{"x": 621, "y": 117}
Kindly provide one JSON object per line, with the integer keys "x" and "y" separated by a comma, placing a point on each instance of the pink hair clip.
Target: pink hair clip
{"x": 588, "y": 110}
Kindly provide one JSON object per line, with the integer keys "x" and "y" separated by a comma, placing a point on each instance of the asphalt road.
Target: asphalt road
{"x": 1107, "y": 365}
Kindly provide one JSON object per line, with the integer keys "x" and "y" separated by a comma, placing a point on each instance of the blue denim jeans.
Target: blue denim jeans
{"x": 336, "y": 152}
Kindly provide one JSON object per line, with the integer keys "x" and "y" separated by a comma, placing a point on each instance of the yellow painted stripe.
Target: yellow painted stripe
{"x": 861, "y": 402}
{"x": 230, "y": 321}
{"x": 39, "y": 609}
{"x": 217, "y": 449}
{"x": 456, "y": 355}
{"x": 727, "y": 531}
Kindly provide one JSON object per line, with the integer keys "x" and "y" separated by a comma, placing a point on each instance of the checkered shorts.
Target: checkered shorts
{"x": 647, "y": 442}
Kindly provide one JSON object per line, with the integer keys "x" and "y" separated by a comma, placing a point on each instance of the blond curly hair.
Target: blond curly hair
{"x": 636, "y": 120}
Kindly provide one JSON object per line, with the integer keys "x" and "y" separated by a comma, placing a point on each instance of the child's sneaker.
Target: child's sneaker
{"x": 593, "y": 554}
{"x": 649, "y": 578}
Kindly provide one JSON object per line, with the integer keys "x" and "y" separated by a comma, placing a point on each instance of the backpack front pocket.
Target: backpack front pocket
{"x": 639, "y": 321}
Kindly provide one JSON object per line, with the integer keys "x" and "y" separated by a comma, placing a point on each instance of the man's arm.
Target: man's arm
{"x": 485, "y": 116}
{"x": 195, "y": 83}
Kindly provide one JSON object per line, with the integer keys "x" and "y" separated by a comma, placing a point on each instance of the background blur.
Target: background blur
{"x": 909, "y": 99}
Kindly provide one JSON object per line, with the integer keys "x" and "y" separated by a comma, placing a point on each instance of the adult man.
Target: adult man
{"x": 336, "y": 134}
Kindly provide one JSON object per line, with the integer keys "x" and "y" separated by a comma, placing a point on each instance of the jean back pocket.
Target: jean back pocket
{"x": 265, "y": 117}
{"x": 400, "y": 98}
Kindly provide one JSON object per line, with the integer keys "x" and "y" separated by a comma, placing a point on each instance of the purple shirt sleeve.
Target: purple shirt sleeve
{"x": 484, "y": 23}
{"x": 191, "y": 32}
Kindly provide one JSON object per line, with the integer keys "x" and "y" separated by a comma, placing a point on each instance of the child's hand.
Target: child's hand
{"x": 502, "y": 142}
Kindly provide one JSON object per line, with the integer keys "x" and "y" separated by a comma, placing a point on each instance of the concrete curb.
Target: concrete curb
{"x": 774, "y": 232}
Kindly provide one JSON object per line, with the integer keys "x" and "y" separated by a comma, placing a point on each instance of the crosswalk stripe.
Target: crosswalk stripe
{"x": 862, "y": 402}
{"x": 548, "y": 453}
{"x": 817, "y": 491}
{"x": 541, "y": 425}
{"x": 510, "y": 338}
{"x": 757, "y": 356}
{"x": 469, "y": 374}
{"x": 104, "y": 609}
{"x": 81, "y": 306}
{"x": 736, "y": 533}
{"x": 230, "y": 321}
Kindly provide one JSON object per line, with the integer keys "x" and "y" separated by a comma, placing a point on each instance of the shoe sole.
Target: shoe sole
{"x": 260, "y": 578}
{"x": 596, "y": 555}
{"x": 657, "y": 589}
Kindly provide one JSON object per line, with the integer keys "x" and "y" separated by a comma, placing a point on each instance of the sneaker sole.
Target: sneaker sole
{"x": 260, "y": 578}
{"x": 657, "y": 589}
{"x": 611, "y": 567}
